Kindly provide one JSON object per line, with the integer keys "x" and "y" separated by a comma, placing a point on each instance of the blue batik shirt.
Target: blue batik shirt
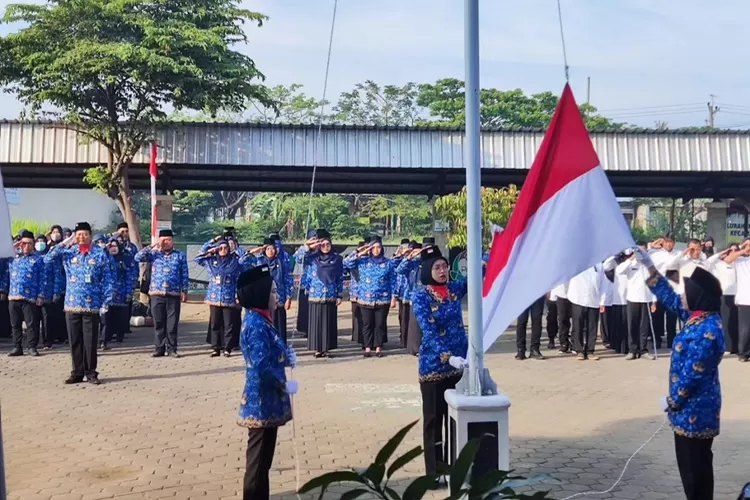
{"x": 409, "y": 269}
{"x": 265, "y": 402}
{"x": 377, "y": 279}
{"x": 122, "y": 273}
{"x": 56, "y": 276}
{"x": 304, "y": 280}
{"x": 694, "y": 390}
{"x": 28, "y": 280}
{"x": 443, "y": 333}
{"x": 317, "y": 291}
{"x": 88, "y": 277}
{"x": 222, "y": 282}
{"x": 282, "y": 276}
{"x": 169, "y": 271}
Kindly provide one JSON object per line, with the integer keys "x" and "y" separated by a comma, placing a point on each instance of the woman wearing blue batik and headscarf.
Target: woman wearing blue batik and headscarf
{"x": 694, "y": 401}
{"x": 266, "y": 405}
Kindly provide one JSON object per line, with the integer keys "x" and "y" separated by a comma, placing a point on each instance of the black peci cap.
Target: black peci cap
{"x": 166, "y": 233}
{"x": 82, "y": 226}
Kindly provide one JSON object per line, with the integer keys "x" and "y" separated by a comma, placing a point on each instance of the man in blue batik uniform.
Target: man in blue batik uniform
{"x": 88, "y": 294}
{"x": 123, "y": 232}
{"x": 26, "y": 295}
{"x": 694, "y": 401}
{"x": 169, "y": 286}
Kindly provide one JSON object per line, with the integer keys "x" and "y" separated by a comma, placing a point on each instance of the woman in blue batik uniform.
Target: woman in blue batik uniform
{"x": 113, "y": 321}
{"x": 409, "y": 269}
{"x": 223, "y": 267}
{"x": 375, "y": 292}
{"x": 694, "y": 401}
{"x": 324, "y": 291}
{"x": 265, "y": 400}
{"x": 269, "y": 255}
{"x": 353, "y": 292}
{"x": 442, "y": 352}
{"x": 402, "y": 250}
{"x": 303, "y": 308}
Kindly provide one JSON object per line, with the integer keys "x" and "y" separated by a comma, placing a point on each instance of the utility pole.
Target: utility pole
{"x": 712, "y": 110}
{"x": 588, "y": 90}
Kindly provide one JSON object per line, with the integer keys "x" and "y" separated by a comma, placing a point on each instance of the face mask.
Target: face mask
{"x": 40, "y": 246}
{"x": 57, "y": 237}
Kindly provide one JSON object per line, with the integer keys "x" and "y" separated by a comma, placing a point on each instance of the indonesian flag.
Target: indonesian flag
{"x": 6, "y": 238}
{"x": 566, "y": 220}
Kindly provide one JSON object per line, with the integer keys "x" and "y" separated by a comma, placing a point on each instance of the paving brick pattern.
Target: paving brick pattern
{"x": 165, "y": 428}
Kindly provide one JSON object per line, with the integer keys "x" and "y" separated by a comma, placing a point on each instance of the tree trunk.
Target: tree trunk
{"x": 124, "y": 202}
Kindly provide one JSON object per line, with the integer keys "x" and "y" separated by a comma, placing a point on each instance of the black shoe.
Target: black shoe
{"x": 105, "y": 347}
{"x": 73, "y": 379}
{"x": 47, "y": 347}
{"x": 318, "y": 355}
{"x": 176, "y": 355}
{"x": 158, "y": 354}
{"x": 535, "y": 354}
{"x": 564, "y": 350}
{"x": 367, "y": 354}
{"x": 743, "y": 359}
{"x": 551, "y": 344}
{"x": 216, "y": 353}
{"x": 380, "y": 354}
{"x": 15, "y": 352}
{"x": 227, "y": 354}
{"x": 94, "y": 380}
{"x": 521, "y": 355}
{"x": 33, "y": 352}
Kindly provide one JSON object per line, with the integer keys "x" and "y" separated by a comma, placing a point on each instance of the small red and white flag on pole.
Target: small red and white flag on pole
{"x": 153, "y": 172}
{"x": 566, "y": 220}
{"x": 6, "y": 238}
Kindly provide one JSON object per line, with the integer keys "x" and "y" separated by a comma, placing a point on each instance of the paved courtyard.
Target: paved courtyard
{"x": 165, "y": 428}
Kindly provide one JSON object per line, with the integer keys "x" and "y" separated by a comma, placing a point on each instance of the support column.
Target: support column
{"x": 718, "y": 226}
{"x": 164, "y": 204}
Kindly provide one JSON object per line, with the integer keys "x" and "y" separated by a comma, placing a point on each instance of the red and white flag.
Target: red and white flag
{"x": 566, "y": 220}
{"x": 6, "y": 238}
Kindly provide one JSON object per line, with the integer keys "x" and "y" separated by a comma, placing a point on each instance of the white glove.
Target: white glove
{"x": 103, "y": 310}
{"x": 643, "y": 257}
{"x": 458, "y": 362}
{"x": 664, "y": 404}
{"x": 291, "y": 357}
{"x": 292, "y": 387}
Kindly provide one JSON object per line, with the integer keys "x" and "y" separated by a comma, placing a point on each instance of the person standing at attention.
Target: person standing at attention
{"x": 26, "y": 295}
{"x": 169, "y": 287}
{"x": 88, "y": 295}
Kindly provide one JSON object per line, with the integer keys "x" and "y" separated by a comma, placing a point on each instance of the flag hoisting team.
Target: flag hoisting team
{"x": 635, "y": 297}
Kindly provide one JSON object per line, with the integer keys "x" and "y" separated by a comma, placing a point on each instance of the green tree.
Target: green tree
{"x": 288, "y": 105}
{"x": 497, "y": 205}
{"x": 108, "y": 69}
{"x": 370, "y": 104}
{"x": 445, "y": 103}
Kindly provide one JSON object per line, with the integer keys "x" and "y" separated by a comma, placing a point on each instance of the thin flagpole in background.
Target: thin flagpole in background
{"x": 153, "y": 173}
{"x": 473, "y": 195}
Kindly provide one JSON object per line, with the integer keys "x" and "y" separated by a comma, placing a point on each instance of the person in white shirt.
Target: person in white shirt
{"x": 665, "y": 258}
{"x": 641, "y": 303}
{"x": 560, "y": 295}
{"x": 584, "y": 294}
{"x": 615, "y": 304}
{"x": 741, "y": 262}
{"x": 727, "y": 276}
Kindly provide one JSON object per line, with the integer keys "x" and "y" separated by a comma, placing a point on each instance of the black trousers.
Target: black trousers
{"x": 743, "y": 333}
{"x": 83, "y": 335}
{"x": 435, "y": 422}
{"x": 5, "y": 328}
{"x": 639, "y": 327}
{"x": 166, "y": 312}
{"x": 695, "y": 461}
{"x": 665, "y": 321}
{"x": 615, "y": 322}
{"x": 564, "y": 316}
{"x": 374, "y": 328}
{"x": 126, "y": 317}
{"x": 552, "y": 326}
{"x": 279, "y": 321}
{"x": 730, "y": 324}
{"x": 261, "y": 445}
{"x": 222, "y": 322}
{"x": 536, "y": 311}
{"x": 404, "y": 312}
{"x": 53, "y": 322}
{"x": 113, "y": 324}
{"x": 20, "y": 311}
{"x": 585, "y": 326}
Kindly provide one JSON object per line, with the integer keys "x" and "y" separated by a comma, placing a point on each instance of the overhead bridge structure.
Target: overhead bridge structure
{"x": 428, "y": 161}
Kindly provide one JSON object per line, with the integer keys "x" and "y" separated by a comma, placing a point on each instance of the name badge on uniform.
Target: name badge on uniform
{"x": 87, "y": 278}
{"x": 74, "y": 260}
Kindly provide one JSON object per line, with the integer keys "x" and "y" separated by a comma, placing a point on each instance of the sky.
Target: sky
{"x": 648, "y": 60}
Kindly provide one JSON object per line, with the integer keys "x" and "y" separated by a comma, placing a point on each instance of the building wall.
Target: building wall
{"x": 60, "y": 206}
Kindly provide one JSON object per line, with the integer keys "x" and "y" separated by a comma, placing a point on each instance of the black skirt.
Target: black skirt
{"x": 303, "y": 312}
{"x": 322, "y": 335}
{"x": 279, "y": 321}
{"x": 357, "y": 324}
{"x": 404, "y": 313}
{"x": 413, "y": 335}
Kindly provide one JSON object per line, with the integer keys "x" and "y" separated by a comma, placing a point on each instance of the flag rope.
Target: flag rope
{"x": 562, "y": 41}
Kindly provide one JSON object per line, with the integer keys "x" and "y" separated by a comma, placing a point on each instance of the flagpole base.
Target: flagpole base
{"x": 479, "y": 417}
{"x": 487, "y": 386}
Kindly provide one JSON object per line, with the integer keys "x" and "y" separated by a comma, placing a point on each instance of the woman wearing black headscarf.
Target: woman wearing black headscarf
{"x": 266, "y": 405}
{"x": 324, "y": 291}
{"x": 694, "y": 401}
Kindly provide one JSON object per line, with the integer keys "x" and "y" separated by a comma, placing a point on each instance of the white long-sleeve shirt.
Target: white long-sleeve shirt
{"x": 585, "y": 289}
{"x": 742, "y": 270}
{"x": 685, "y": 265}
{"x": 725, "y": 273}
{"x": 618, "y": 290}
{"x": 636, "y": 274}
{"x": 559, "y": 292}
